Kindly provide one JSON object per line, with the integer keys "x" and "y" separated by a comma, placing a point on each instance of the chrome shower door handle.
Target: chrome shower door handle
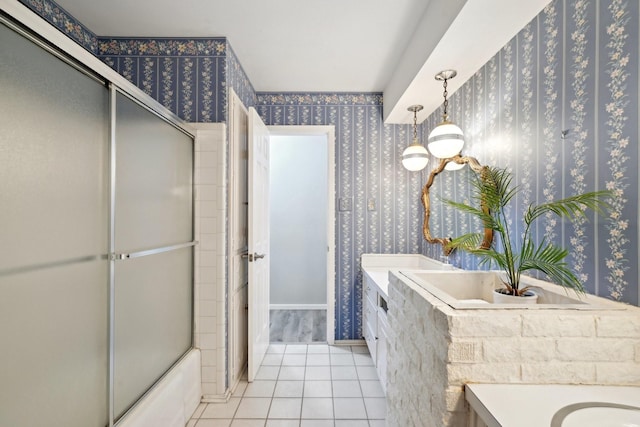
{"x": 258, "y": 256}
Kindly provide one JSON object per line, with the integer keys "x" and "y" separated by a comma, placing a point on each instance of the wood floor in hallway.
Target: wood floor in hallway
{"x": 298, "y": 326}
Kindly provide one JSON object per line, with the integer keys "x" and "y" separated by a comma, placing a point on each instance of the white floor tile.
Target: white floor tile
{"x": 283, "y": 423}
{"x": 376, "y": 407}
{"x": 318, "y": 373}
{"x": 318, "y": 360}
{"x": 221, "y": 410}
{"x": 199, "y": 410}
{"x": 317, "y": 349}
{"x": 360, "y": 349}
{"x": 260, "y": 388}
{"x": 247, "y": 423}
{"x": 274, "y": 359}
{"x": 253, "y": 407}
{"x": 338, "y": 349}
{"x": 296, "y": 349}
{"x": 349, "y": 408}
{"x": 352, "y": 423}
{"x": 210, "y": 422}
{"x": 316, "y": 423}
{"x": 291, "y": 373}
{"x": 377, "y": 423}
{"x": 276, "y": 348}
{"x": 285, "y": 408}
{"x": 317, "y": 408}
{"x": 344, "y": 373}
{"x": 213, "y": 423}
{"x": 289, "y": 389}
{"x": 342, "y": 359}
{"x": 371, "y": 388}
{"x": 362, "y": 359}
{"x": 367, "y": 372}
{"x": 294, "y": 360}
{"x": 317, "y": 389}
{"x": 240, "y": 388}
{"x": 268, "y": 373}
{"x": 347, "y": 388}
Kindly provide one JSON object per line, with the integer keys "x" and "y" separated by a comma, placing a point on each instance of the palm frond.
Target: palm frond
{"x": 550, "y": 260}
{"x": 571, "y": 207}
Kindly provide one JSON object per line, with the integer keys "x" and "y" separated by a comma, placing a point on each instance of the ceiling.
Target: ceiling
{"x": 390, "y": 46}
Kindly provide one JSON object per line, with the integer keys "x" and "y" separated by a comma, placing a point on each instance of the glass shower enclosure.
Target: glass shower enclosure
{"x": 96, "y": 240}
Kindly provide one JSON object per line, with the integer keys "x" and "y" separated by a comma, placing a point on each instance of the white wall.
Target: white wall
{"x": 298, "y": 219}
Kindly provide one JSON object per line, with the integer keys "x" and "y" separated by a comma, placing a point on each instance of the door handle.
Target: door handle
{"x": 253, "y": 257}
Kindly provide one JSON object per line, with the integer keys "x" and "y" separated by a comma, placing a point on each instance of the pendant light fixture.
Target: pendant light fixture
{"x": 446, "y": 139}
{"x": 415, "y": 157}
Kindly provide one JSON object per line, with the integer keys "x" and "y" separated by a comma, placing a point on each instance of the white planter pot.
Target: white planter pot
{"x": 529, "y": 297}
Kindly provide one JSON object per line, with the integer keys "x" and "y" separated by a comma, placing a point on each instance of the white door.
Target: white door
{"x": 258, "y": 297}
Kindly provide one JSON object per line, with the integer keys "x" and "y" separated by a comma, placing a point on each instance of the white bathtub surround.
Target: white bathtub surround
{"x": 210, "y": 267}
{"x": 172, "y": 401}
{"x": 492, "y": 404}
{"x": 434, "y": 350}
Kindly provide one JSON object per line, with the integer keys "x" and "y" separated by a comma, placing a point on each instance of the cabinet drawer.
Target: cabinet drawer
{"x": 370, "y": 312}
{"x": 369, "y": 290}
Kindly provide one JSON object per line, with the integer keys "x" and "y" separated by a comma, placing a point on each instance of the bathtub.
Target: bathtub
{"x": 524, "y": 405}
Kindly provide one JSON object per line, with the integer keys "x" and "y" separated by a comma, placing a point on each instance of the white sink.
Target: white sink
{"x": 597, "y": 414}
{"x": 462, "y": 289}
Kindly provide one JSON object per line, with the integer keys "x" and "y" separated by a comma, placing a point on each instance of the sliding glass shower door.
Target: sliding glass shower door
{"x": 153, "y": 226}
{"x": 96, "y": 241}
{"x": 54, "y": 222}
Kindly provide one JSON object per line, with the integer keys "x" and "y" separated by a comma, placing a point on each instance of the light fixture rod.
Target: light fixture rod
{"x": 415, "y": 109}
{"x": 444, "y": 76}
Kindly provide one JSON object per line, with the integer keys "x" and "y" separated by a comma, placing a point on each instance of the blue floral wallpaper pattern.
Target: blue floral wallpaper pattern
{"x": 63, "y": 21}
{"x": 558, "y": 106}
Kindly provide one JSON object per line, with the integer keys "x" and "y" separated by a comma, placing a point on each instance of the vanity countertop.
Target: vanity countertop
{"x": 380, "y": 277}
{"x": 533, "y": 405}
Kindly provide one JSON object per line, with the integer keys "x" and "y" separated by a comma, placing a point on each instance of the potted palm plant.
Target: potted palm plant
{"x": 492, "y": 192}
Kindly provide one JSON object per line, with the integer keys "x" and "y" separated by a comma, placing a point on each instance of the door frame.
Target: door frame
{"x": 329, "y": 133}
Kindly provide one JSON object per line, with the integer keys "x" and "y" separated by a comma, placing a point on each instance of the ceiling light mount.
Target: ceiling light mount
{"x": 415, "y": 157}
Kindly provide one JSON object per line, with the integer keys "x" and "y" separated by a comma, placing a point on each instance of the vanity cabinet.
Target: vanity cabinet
{"x": 375, "y": 325}
{"x": 375, "y": 285}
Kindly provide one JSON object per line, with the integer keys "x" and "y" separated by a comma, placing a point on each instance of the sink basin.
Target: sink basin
{"x": 597, "y": 414}
{"x": 474, "y": 290}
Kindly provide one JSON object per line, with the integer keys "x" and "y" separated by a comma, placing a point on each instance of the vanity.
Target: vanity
{"x": 443, "y": 335}
{"x": 375, "y": 296}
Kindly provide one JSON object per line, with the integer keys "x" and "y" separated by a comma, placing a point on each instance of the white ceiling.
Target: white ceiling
{"x": 390, "y": 46}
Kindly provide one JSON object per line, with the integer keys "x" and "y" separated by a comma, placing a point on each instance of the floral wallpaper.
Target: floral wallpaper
{"x": 63, "y": 21}
{"x": 558, "y": 105}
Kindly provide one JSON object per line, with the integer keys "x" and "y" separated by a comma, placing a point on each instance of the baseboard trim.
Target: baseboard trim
{"x": 349, "y": 342}
{"x": 216, "y": 398}
{"x": 298, "y": 306}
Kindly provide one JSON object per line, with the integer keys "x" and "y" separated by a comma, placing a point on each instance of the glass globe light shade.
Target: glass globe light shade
{"x": 415, "y": 157}
{"x": 445, "y": 140}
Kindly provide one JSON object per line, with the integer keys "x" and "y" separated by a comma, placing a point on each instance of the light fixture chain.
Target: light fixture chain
{"x": 446, "y": 102}
{"x": 415, "y": 126}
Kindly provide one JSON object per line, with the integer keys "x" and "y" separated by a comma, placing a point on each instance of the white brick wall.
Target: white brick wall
{"x": 433, "y": 350}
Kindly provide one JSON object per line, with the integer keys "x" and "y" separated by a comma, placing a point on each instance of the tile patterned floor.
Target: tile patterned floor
{"x": 301, "y": 385}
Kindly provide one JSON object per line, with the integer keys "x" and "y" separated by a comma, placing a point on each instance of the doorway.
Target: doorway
{"x": 302, "y": 278}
